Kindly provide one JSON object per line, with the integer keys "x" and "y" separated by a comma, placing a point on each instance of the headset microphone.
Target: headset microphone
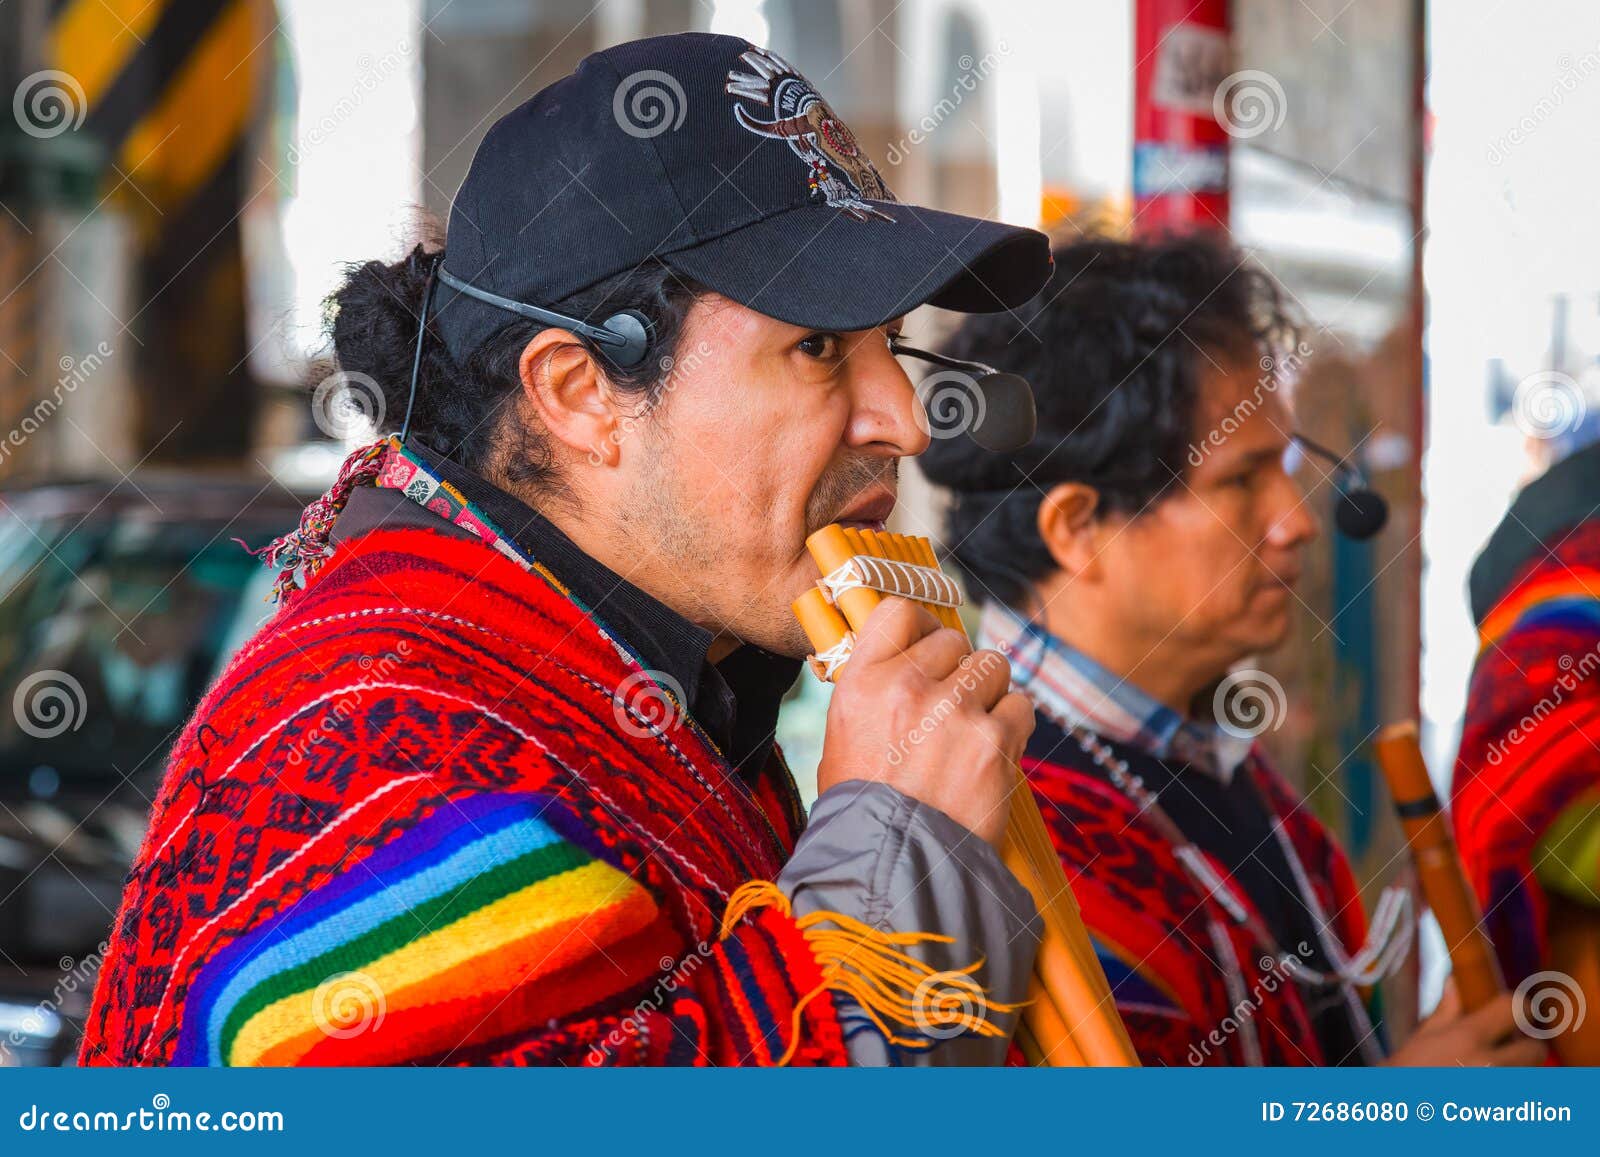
{"x": 1006, "y": 419}
{"x": 623, "y": 337}
{"x": 1362, "y": 511}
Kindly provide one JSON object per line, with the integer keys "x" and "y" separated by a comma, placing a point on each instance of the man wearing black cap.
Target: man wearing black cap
{"x": 498, "y": 785}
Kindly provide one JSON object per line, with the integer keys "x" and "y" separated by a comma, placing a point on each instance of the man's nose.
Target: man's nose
{"x": 1293, "y": 524}
{"x": 886, "y": 414}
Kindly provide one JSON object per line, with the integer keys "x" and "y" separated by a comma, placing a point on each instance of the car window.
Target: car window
{"x": 109, "y": 639}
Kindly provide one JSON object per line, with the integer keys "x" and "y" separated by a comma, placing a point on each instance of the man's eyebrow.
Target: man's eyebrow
{"x": 1262, "y": 456}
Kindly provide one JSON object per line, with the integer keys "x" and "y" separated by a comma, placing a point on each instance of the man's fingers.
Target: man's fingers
{"x": 893, "y": 626}
{"x": 1449, "y": 1002}
{"x": 980, "y": 679}
{"x": 1016, "y": 712}
{"x": 1495, "y": 1020}
{"x": 937, "y": 654}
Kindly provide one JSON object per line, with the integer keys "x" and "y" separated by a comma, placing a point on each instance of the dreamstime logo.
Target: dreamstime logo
{"x": 1548, "y": 404}
{"x": 1573, "y": 674}
{"x": 45, "y": 1017}
{"x": 1249, "y": 103}
{"x": 371, "y": 76}
{"x": 49, "y": 703}
{"x": 1548, "y": 1004}
{"x": 155, "y": 1119}
{"x": 947, "y": 1004}
{"x": 1275, "y": 972}
{"x": 1571, "y": 73}
{"x": 1275, "y": 372}
{"x": 343, "y": 709}
{"x": 674, "y": 974}
{"x": 348, "y": 406}
{"x": 648, "y": 103}
{"x": 347, "y": 1004}
{"x": 673, "y": 371}
{"x": 952, "y": 404}
{"x": 49, "y": 103}
{"x": 647, "y": 703}
{"x": 972, "y": 72}
{"x": 974, "y": 669}
{"x": 1248, "y": 703}
{"x": 74, "y": 372}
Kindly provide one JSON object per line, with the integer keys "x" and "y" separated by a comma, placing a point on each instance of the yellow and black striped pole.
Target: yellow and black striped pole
{"x": 172, "y": 90}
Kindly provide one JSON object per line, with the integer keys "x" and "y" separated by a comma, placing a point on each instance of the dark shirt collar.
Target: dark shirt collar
{"x": 735, "y": 702}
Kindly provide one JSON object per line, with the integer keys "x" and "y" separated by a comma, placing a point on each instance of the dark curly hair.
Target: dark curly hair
{"x": 460, "y": 410}
{"x": 1113, "y": 347}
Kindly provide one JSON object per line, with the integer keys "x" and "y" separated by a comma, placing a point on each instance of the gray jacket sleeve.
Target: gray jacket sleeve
{"x": 899, "y": 865}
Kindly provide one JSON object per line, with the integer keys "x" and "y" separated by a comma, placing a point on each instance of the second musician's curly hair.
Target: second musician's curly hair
{"x": 1114, "y": 346}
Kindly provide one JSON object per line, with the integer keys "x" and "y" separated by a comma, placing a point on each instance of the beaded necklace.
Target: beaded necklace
{"x": 1387, "y": 944}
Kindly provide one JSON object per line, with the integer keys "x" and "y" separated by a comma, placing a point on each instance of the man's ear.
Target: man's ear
{"x": 567, "y": 390}
{"x": 1068, "y": 526}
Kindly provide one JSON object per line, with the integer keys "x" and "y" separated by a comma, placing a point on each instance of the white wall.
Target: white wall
{"x": 1515, "y": 94}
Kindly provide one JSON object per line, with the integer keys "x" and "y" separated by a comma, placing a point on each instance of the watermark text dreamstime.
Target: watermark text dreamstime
{"x": 1274, "y": 373}
{"x": 369, "y": 77}
{"x": 975, "y": 669}
{"x": 1571, "y": 73}
{"x": 344, "y": 708}
{"x": 1573, "y": 673}
{"x": 1275, "y": 971}
{"x": 672, "y": 370}
{"x": 675, "y": 975}
{"x": 76, "y": 975}
{"x": 74, "y": 372}
{"x": 973, "y": 72}
{"x": 157, "y": 1117}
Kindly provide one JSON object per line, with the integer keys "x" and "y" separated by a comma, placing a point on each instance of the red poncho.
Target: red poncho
{"x": 1529, "y": 743}
{"x": 427, "y": 816}
{"x": 1149, "y": 921}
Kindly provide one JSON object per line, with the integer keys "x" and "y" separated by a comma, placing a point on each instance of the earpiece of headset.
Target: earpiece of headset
{"x": 623, "y": 337}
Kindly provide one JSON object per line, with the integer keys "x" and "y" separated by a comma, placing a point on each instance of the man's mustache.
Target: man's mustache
{"x": 844, "y": 483}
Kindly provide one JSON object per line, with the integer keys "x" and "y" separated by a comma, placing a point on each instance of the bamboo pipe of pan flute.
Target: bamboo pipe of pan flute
{"x": 1073, "y": 1020}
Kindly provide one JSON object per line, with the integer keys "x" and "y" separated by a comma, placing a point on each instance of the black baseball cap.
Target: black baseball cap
{"x": 719, "y": 159}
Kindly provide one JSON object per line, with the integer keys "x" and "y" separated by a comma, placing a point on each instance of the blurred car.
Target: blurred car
{"x": 119, "y": 603}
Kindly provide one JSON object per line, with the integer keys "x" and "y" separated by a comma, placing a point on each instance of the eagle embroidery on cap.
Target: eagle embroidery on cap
{"x": 840, "y": 173}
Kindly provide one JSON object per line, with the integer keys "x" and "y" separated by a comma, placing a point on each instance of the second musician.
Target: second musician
{"x": 1146, "y": 541}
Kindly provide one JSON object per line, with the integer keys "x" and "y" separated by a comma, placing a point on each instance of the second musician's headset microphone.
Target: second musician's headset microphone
{"x": 1005, "y": 423}
{"x": 1362, "y": 511}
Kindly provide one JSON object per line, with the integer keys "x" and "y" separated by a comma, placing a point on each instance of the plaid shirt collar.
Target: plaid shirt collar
{"x": 1078, "y": 690}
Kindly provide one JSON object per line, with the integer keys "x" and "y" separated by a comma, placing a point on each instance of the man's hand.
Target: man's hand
{"x": 918, "y": 709}
{"x": 1488, "y": 1036}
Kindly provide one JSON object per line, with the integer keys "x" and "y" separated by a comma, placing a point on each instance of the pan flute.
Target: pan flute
{"x": 1444, "y": 884}
{"x": 1071, "y": 1017}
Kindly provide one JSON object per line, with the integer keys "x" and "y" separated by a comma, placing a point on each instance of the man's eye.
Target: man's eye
{"x": 819, "y": 345}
